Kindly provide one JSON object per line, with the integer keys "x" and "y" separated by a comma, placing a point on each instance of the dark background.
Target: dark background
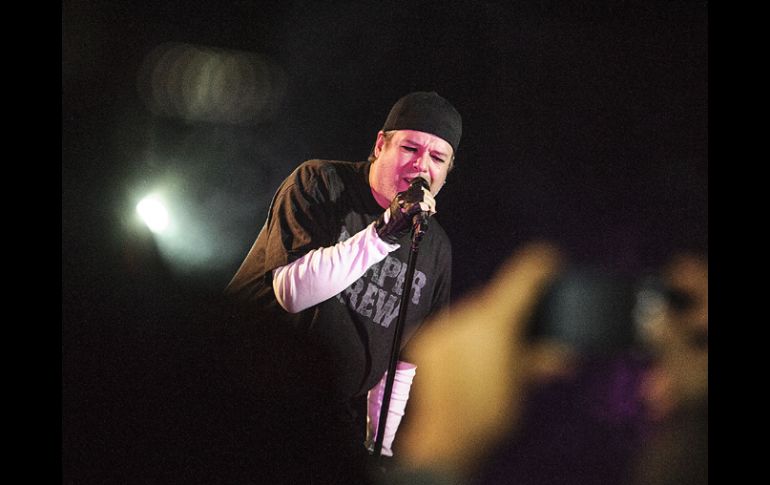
{"x": 585, "y": 122}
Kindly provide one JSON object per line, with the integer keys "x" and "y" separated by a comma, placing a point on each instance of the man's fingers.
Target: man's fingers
{"x": 428, "y": 203}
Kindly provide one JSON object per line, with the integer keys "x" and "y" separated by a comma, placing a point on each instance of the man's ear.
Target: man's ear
{"x": 379, "y": 143}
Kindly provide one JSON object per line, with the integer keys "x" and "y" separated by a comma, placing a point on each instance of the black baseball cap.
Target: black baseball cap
{"x": 427, "y": 112}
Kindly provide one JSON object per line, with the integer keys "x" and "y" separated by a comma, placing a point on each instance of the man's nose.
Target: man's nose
{"x": 421, "y": 162}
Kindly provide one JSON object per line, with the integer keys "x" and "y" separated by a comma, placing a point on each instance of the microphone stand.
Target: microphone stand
{"x": 418, "y": 231}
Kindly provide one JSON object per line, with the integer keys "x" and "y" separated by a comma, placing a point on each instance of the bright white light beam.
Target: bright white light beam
{"x": 153, "y": 212}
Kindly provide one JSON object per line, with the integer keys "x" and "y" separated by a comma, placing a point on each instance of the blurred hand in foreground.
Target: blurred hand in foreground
{"x": 474, "y": 363}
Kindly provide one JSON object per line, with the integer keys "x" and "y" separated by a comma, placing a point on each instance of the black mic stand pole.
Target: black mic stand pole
{"x": 418, "y": 231}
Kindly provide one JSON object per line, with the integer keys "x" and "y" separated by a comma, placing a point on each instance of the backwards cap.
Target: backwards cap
{"x": 427, "y": 112}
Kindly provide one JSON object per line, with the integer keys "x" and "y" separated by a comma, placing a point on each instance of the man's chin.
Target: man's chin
{"x": 403, "y": 184}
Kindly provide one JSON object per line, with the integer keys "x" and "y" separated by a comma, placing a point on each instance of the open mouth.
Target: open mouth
{"x": 409, "y": 180}
{"x": 406, "y": 181}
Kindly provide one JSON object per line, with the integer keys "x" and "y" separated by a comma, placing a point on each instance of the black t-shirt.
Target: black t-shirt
{"x": 320, "y": 204}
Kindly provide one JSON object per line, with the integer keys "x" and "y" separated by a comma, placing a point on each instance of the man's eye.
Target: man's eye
{"x": 409, "y": 149}
{"x": 438, "y": 159}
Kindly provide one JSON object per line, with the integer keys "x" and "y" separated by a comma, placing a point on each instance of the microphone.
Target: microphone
{"x": 421, "y": 218}
{"x": 418, "y": 183}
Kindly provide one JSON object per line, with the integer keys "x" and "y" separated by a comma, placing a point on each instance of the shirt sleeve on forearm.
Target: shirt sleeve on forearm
{"x": 322, "y": 273}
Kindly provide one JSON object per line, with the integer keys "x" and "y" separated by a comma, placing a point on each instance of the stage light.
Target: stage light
{"x": 199, "y": 83}
{"x": 153, "y": 212}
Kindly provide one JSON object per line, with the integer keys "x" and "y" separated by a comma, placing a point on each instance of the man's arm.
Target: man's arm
{"x": 322, "y": 273}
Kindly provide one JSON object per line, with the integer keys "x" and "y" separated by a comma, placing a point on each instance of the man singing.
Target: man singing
{"x": 328, "y": 269}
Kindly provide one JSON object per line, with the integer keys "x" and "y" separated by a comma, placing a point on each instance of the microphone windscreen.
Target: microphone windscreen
{"x": 420, "y": 182}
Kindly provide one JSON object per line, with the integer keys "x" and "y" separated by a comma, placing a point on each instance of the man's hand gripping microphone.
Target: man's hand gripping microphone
{"x": 404, "y": 212}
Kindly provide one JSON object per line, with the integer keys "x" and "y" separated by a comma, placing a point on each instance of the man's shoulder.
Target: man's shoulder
{"x": 328, "y": 180}
{"x": 318, "y": 165}
{"x": 332, "y": 174}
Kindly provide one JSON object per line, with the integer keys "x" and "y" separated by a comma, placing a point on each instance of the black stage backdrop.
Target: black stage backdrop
{"x": 585, "y": 123}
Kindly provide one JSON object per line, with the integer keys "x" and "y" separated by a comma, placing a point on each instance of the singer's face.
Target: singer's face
{"x": 405, "y": 155}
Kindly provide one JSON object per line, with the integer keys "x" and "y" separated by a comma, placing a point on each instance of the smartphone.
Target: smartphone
{"x": 588, "y": 308}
